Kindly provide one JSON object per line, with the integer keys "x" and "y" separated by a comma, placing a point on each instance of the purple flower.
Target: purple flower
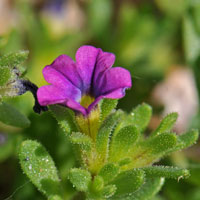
{"x": 82, "y": 84}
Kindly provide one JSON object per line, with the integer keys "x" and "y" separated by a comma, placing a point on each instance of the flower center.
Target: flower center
{"x": 86, "y": 100}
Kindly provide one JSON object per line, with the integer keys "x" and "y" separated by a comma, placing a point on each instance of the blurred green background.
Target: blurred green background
{"x": 157, "y": 40}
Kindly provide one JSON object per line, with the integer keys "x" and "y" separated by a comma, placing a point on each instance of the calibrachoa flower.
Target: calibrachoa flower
{"x": 82, "y": 84}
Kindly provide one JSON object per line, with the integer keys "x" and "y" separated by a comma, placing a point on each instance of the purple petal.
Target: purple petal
{"x": 114, "y": 83}
{"x": 67, "y": 67}
{"x": 86, "y": 57}
{"x": 104, "y": 61}
{"x": 50, "y": 94}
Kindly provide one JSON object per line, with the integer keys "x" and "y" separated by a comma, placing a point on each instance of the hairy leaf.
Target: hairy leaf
{"x": 122, "y": 141}
{"x": 38, "y": 165}
{"x": 140, "y": 116}
{"x": 11, "y": 116}
{"x": 80, "y": 178}
{"x": 13, "y": 59}
{"x": 166, "y": 124}
{"x": 167, "y": 172}
{"x": 109, "y": 172}
{"x": 106, "y": 106}
{"x": 128, "y": 182}
{"x": 84, "y": 141}
{"x": 102, "y": 140}
{"x": 65, "y": 118}
{"x": 5, "y": 75}
{"x": 148, "y": 190}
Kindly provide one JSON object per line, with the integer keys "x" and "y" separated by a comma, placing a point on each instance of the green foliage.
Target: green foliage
{"x": 109, "y": 172}
{"x": 65, "y": 118}
{"x": 167, "y": 172}
{"x": 140, "y": 116}
{"x": 38, "y": 165}
{"x": 99, "y": 12}
{"x": 97, "y": 184}
{"x": 80, "y": 178}
{"x": 7, "y": 145}
{"x": 195, "y": 174}
{"x": 109, "y": 191}
{"x": 106, "y": 106}
{"x": 11, "y": 116}
{"x": 191, "y": 40}
{"x": 82, "y": 140}
{"x": 104, "y": 133}
{"x": 149, "y": 189}
{"x": 122, "y": 142}
{"x": 14, "y": 59}
{"x": 128, "y": 182}
{"x": 5, "y": 75}
{"x": 166, "y": 124}
{"x": 120, "y": 161}
{"x": 187, "y": 139}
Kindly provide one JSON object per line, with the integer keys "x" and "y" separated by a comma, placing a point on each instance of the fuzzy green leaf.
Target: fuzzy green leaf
{"x": 152, "y": 149}
{"x": 13, "y": 59}
{"x": 140, "y": 116}
{"x": 108, "y": 191}
{"x": 162, "y": 143}
{"x": 65, "y": 118}
{"x": 148, "y": 190}
{"x": 38, "y": 165}
{"x": 84, "y": 141}
{"x": 97, "y": 184}
{"x": 5, "y": 75}
{"x": 11, "y": 116}
{"x": 186, "y": 140}
{"x": 106, "y": 106}
{"x": 128, "y": 182}
{"x": 166, "y": 124}
{"x": 122, "y": 141}
{"x": 109, "y": 172}
{"x": 166, "y": 171}
{"x": 102, "y": 140}
{"x": 80, "y": 178}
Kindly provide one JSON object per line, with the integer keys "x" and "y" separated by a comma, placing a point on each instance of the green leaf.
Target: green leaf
{"x": 109, "y": 172}
{"x": 109, "y": 191}
{"x": 38, "y": 165}
{"x": 97, "y": 184}
{"x": 166, "y": 171}
{"x": 128, "y": 182}
{"x": 102, "y": 140}
{"x": 186, "y": 140}
{"x": 162, "y": 143}
{"x": 80, "y": 178}
{"x": 122, "y": 142}
{"x": 84, "y": 141}
{"x": 152, "y": 149}
{"x": 11, "y": 116}
{"x": 106, "y": 106}
{"x": 65, "y": 118}
{"x": 191, "y": 40}
{"x": 140, "y": 116}
{"x": 13, "y": 59}
{"x": 148, "y": 190}
{"x": 5, "y": 75}
{"x": 166, "y": 124}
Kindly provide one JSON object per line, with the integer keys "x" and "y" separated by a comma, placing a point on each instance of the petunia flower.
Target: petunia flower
{"x": 82, "y": 84}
